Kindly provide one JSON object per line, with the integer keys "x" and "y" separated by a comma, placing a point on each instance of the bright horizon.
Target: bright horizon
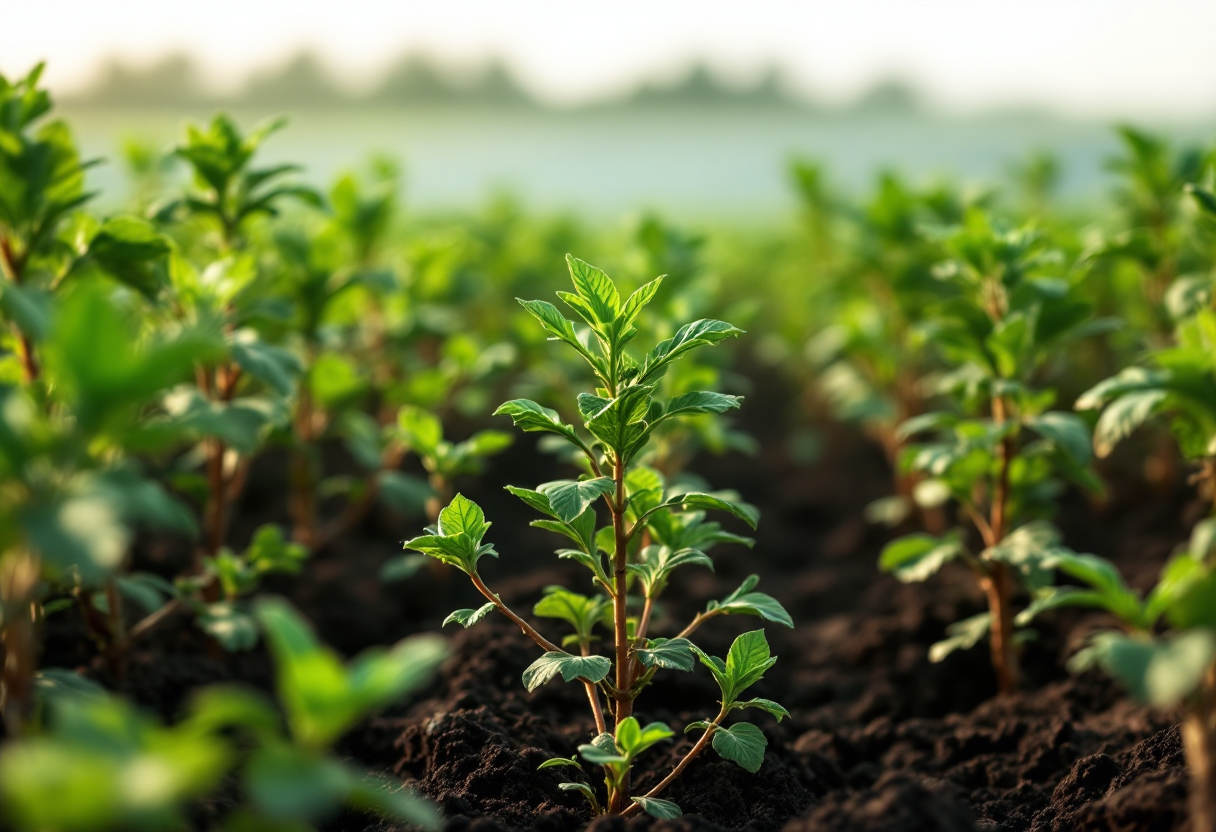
{"x": 1145, "y": 59}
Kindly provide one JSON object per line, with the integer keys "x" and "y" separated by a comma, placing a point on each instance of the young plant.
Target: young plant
{"x": 619, "y": 419}
{"x": 72, "y": 490}
{"x": 237, "y": 399}
{"x": 868, "y": 357}
{"x": 1165, "y": 655}
{"x": 102, "y": 764}
{"x": 1000, "y": 452}
{"x": 1178, "y": 381}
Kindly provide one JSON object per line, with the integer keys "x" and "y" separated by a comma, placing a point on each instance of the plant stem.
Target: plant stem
{"x": 680, "y": 766}
{"x": 640, "y": 636}
{"x": 544, "y": 644}
{"x": 528, "y": 629}
{"x": 624, "y": 703}
{"x": 1199, "y": 743}
{"x": 14, "y": 270}
{"x": 700, "y": 619}
{"x": 19, "y": 574}
{"x": 214, "y": 513}
{"x": 998, "y": 586}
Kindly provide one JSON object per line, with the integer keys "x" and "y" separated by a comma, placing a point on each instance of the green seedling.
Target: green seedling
{"x": 1165, "y": 655}
{"x": 1154, "y": 247}
{"x": 73, "y": 491}
{"x": 104, "y": 765}
{"x": 1000, "y": 453}
{"x": 236, "y": 400}
{"x": 422, "y": 433}
{"x": 655, "y": 530}
{"x": 868, "y": 356}
{"x": 1178, "y": 381}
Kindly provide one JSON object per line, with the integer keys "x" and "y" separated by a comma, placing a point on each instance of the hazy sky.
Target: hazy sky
{"x": 1087, "y": 57}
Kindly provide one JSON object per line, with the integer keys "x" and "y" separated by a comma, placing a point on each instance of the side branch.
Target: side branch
{"x": 680, "y": 766}
{"x": 528, "y": 629}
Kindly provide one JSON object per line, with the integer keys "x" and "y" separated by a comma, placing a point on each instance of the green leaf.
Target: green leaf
{"x": 656, "y": 808}
{"x": 1102, "y": 575}
{"x": 600, "y": 303}
{"x": 1161, "y": 671}
{"x": 585, "y": 790}
{"x": 386, "y": 798}
{"x": 463, "y": 516}
{"x": 230, "y": 624}
{"x": 925, "y": 423}
{"x": 1066, "y": 431}
{"x": 534, "y": 500}
{"x": 619, "y": 423}
{"x": 641, "y": 297}
{"x": 530, "y": 417}
{"x": 602, "y": 751}
{"x": 698, "y": 501}
{"x": 286, "y": 784}
{"x": 690, "y": 336}
{"x": 133, "y": 252}
{"x": 766, "y": 705}
{"x": 743, "y": 601}
{"x": 916, "y": 557}
{"x": 703, "y": 401}
{"x": 322, "y": 698}
{"x": 420, "y": 429}
{"x": 570, "y": 498}
{"x": 961, "y": 635}
{"x": 581, "y": 612}
{"x": 590, "y": 668}
{"x": 1123, "y": 416}
{"x": 632, "y": 739}
{"x": 275, "y": 366}
{"x": 467, "y": 618}
{"x": 743, "y": 743}
{"x": 1029, "y": 548}
{"x": 675, "y": 654}
{"x": 747, "y": 660}
{"x": 558, "y": 327}
{"x": 558, "y": 762}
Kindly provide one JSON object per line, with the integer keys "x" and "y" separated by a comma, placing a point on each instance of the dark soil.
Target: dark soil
{"x": 880, "y": 739}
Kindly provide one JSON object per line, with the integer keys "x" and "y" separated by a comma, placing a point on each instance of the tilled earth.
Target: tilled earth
{"x": 879, "y": 739}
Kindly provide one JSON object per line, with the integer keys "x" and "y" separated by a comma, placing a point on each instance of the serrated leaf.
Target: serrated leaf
{"x": 530, "y": 417}
{"x": 570, "y": 498}
{"x": 467, "y": 618}
{"x": 590, "y": 668}
{"x": 744, "y": 601}
{"x": 743, "y": 743}
{"x": 703, "y": 401}
{"x": 675, "y": 654}
{"x": 690, "y": 336}
{"x": 463, "y": 516}
{"x": 699, "y": 501}
{"x": 1066, "y": 431}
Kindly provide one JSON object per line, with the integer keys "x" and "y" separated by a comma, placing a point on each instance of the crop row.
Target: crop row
{"x": 995, "y": 346}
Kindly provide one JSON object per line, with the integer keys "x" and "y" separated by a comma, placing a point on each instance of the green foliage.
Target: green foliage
{"x": 656, "y": 528}
{"x": 118, "y": 768}
{"x": 999, "y": 452}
